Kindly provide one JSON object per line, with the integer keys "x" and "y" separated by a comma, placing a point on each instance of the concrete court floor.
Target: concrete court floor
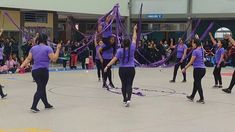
{"x": 81, "y": 105}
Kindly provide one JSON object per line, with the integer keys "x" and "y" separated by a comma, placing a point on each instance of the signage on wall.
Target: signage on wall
{"x": 155, "y": 16}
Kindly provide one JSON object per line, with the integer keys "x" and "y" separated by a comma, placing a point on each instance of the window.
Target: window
{"x": 221, "y": 32}
{"x": 40, "y": 17}
{"x": 147, "y": 27}
{"x": 91, "y": 26}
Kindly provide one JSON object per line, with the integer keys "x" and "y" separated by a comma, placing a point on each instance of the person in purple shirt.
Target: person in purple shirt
{"x": 219, "y": 61}
{"x": 199, "y": 71}
{"x": 125, "y": 55}
{"x": 98, "y": 44}
{"x": 106, "y": 53}
{"x": 1, "y": 54}
{"x": 181, "y": 52}
{"x": 106, "y": 29}
{"x": 42, "y": 55}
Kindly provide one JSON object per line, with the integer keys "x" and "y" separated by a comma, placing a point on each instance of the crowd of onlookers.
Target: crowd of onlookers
{"x": 148, "y": 51}
{"x": 9, "y": 55}
{"x": 71, "y": 53}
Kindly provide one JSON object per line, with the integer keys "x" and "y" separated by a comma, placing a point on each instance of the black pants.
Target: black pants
{"x": 181, "y": 65}
{"x": 64, "y": 63}
{"x": 1, "y": 62}
{"x": 217, "y": 74}
{"x": 83, "y": 61}
{"x": 127, "y": 75}
{"x": 41, "y": 77}
{"x": 107, "y": 74}
{"x": 1, "y": 92}
{"x": 198, "y": 74}
{"x": 99, "y": 68}
{"x": 232, "y": 83}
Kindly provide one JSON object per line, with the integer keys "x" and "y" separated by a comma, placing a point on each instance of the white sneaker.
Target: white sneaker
{"x": 128, "y": 103}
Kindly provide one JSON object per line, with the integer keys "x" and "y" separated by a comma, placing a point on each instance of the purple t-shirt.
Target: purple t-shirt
{"x": 40, "y": 56}
{"x": 219, "y": 52}
{"x": 199, "y": 60}
{"x": 180, "y": 50}
{"x": 97, "y": 52}
{"x": 120, "y": 56}
{"x": 108, "y": 32}
{"x": 107, "y": 53}
{"x": 1, "y": 53}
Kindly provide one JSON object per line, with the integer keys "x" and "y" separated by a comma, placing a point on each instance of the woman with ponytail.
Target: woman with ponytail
{"x": 125, "y": 55}
{"x": 199, "y": 71}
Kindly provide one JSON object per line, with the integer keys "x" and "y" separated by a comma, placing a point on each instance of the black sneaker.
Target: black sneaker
{"x": 105, "y": 86}
{"x": 35, "y": 110}
{"x": 111, "y": 85}
{"x": 227, "y": 90}
{"x": 215, "y": 86}
{"x": 172, "y": 81}
{"x": 184, "y": 81}
{"x": 4, "y": 96}
{"x": 49, "y": 107}
{"x": 220, "y": 86}
{"x": 201, "y": 101}
{"x": 190, "y": 98}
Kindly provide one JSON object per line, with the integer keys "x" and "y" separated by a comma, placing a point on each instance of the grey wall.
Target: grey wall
{"x": 77, "y": 6}
{"x": 213, "y": 6}
{"x": 160, "y": 6}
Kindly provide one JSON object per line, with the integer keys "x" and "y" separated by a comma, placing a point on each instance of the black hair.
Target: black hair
{"x": 224, "y": 43}
{"x": 197, "y": 42}
{"x": 42, "y": 38}
{"x": 126, "y": 44}
{"x": 182, "y": 39}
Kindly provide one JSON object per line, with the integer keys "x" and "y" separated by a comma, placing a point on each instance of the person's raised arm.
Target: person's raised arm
{"x": 54, "y": 56}
{"x": 95, "y": 39}
{"x": 1, "y": 31}
{"x": 99, "y": 29}
{"x": 99, "y": 54}
{"x": 134, "y": 37}
{"x": 172, "y": 43}
{"x": 212, "y": 39}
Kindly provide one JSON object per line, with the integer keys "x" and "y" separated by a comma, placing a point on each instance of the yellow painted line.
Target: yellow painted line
{"x": 25, "y": 130}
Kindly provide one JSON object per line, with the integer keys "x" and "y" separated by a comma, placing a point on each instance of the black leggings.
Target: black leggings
{"x": 232, "y": 83}
{"x": 181, "y": 65}
{"x": 41, "y": 77}
{"x": 198, "y": 74}
{"x": 107, "y": 74}
{"x": 65, "y": 63}
{"x": 1, "y": 92}
{"x": 99, "y": 68}
{"x": 1, "y": 63}
{"x": 127, "y": 75}
{"x": 217, "y": 74}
